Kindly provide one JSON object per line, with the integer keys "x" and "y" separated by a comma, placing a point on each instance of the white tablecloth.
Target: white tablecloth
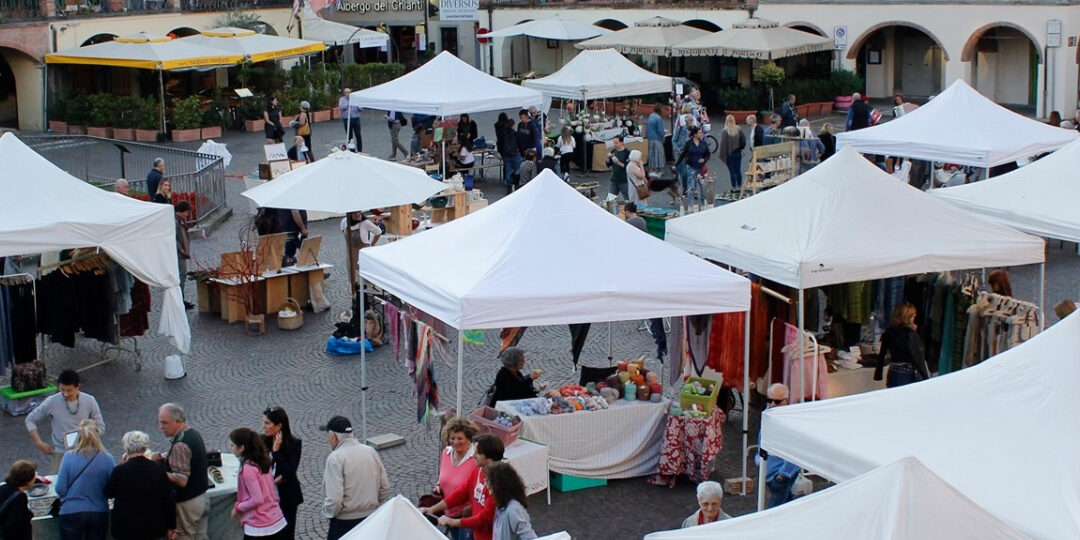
{"x": 620, "y": 442}
{"x": 222, "y": 500}
{"x": 530, "y": 460}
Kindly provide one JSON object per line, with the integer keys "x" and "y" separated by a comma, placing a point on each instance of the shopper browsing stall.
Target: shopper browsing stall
{"x": 456, "y": 467}
{"x": 488, "y": 449}
{"x": 709, "y": 497}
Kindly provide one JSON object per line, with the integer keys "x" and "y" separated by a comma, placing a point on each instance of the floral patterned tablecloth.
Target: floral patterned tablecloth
{"x": 690, "y": 446}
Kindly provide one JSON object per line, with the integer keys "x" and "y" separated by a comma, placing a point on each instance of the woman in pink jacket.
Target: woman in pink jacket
{"x": 257, "y": 504}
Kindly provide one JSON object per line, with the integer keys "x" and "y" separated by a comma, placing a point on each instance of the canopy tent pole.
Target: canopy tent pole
{"x": 1042, "y": 296}
{"x": 460, "y": 368}
{"x": 442, "y": 120}
{"x": 363, "y": 364}
{"x": 353, "y": 258}
{"x": 161, "y": 87}
{"x": 802, "y": 352}
{"x": 761, "y": 481}
{"x": 746, "y": 398}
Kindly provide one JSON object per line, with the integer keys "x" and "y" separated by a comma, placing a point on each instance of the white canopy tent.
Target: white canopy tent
{"x": 654, "y": 36}
{"x": 755, "y": 38}
{"x": 555, "y": 28}
{"x": 903, "y": 500}
{"x": 847, "y": 220}
{"x": 599, "y": 74}
{"x": 335, "y": 33}
{"x": 395, "y": 518}
{"x": 1005, "y": 433}
{"x": 1039, "y": 198}
{"x": 46, "y": 209}
{"x": 960, "y": 126}
{"x": 472, "y": 91}
{"x": 548, "y": 268}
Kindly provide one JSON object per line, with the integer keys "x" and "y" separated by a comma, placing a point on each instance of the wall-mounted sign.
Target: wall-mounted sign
{"x": 393, "y": 12}
{"x": 459, "y": 10}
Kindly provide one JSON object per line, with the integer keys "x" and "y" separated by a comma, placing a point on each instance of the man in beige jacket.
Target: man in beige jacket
{"x": 354, "y": 481}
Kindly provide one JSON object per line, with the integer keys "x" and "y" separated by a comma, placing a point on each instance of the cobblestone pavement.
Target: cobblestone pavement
{"x": 233, "y": 377}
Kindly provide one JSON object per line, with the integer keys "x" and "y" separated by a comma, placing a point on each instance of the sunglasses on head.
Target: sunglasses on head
{"x": 271, "y": 409}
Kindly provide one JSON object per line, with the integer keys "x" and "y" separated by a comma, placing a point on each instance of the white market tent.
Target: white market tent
{"x": 600, "y": 74}
{"x": 960, "y": 126}
{"x": 472, "y": 91}
{"x": 847, "y": 220}
{"x": 903, "y": 500}
{"x": 548, "y": 268}
{"x": 46, "y": 209}
{"x": 654, "y": 36}
{"x": 395, "y": 518}
{"x": 1005, "y": 433}
{"x": 255, "y": 47}
{"x": 555, "y": 28}
{"x": 758, "y": 39}
{"x": 335, "y": 33}
{"x": 1039, "y": 198}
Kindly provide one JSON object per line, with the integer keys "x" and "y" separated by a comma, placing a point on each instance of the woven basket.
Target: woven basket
{"x": 291, "y": 323}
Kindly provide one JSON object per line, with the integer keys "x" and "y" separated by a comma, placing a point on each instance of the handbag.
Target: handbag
{"x": 28, "y": 376}
{"x": 642, "y": 190}
{"x": 54, "y": 510}
{"x": 305, "y": 129}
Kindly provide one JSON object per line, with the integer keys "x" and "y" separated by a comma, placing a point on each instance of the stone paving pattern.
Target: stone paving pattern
{"x": 232, "y": 378}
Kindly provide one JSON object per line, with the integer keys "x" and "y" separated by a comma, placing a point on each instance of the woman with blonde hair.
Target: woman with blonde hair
{"x": 828, "y": 141}
{"x": 164, "y": 192}
{"x": 902, "y": 345}
{"x": 84, "y": 472}
{"x": 732, "y": 142}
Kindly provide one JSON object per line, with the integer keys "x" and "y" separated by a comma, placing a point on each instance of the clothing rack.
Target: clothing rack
{"x": 815, "y": 348}
{"x": 78, "y": 258}
{"x": 775, "y": 295}
{"x": 33, "y": 285}
{"x": 385, "y": 301}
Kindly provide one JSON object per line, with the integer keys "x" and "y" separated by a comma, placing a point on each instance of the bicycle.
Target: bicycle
{"x": 712, "y": 144}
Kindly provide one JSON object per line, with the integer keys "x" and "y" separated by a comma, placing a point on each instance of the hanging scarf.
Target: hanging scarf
{"x": 427, "y": 392}
{"x": 656, "y": 328}
{"x": 393, "y": 327}
{"x": 510, "y": 337}
{"x": 474, "y": 337}
{"x": 578, "y": 333}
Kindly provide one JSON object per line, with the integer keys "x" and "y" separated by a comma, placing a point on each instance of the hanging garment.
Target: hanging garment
{"x": 427, "y": 392}
{"x": 393, "y": 328}
{"x": 726, "y": 346}
{"x": 137, "y": 320}
{"x": 960, "y": 315}
{"x": 811, "y": 365}
{"x": 58, "y": 308}
{"x": 679, "y": 359}
{"x": 759, "y": 332}
{"x": 475, "y": 337}
{"x": 578, "y": 333}
{"x": 7, "y": 346}
{"x": 412, "y": 343}
{"x": 23, "y": 321}
{"x": 697, "y": 341}
{"x": 948, "y": 329}
{"x": 510, "y": 337}
{"x": 656, "y": 329}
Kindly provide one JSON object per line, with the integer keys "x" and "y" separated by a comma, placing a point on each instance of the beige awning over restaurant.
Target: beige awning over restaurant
{"x": 255, "y": 47}
{"x": 655, "y": 36}
{"x": 755, "y": 38}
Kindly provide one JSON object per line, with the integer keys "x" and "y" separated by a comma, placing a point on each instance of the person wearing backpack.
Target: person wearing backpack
{"x": 395, "y": 121}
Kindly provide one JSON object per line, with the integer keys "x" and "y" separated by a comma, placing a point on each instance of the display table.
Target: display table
{"x": 620, "y": 442}
{"x": 530, "y": 460}
{"x": 690, "y": 446}
{"x": 222, "y": 500}
{"x": 848, "y": 382}
{"x": 271, "y": 291}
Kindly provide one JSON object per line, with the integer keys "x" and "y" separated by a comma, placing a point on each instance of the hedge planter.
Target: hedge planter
{"x": 124, "y": 134}
{"x": 842, "y": 102}
{"x": 254, "y": 125}
{"x": 210, "y": 132}
{"x": 76, "y": 130}
{"x": 321, "y": 116}
{"x": 146, "y": 135}
{"x": 57, "y": 126}
{"x": 802, "y": 110}
{"x": 335, "y": 113}
{"x": 826, "y": 107}
{"x": 186, "y": 135}
{"x": 103, "y": 132}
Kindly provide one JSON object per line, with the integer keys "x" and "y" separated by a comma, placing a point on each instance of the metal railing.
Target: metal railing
{"x": 19, "y": 9}
{"x": 231, "y": 5}
{"x": 196, "y": 178}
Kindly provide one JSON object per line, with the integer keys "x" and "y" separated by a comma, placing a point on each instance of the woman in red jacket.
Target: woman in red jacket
{"x": 489, "y": 449}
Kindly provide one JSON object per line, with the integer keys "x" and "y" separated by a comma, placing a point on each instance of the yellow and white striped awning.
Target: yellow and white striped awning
{"x": 253, "y": 46}
{"x": 147, "y": 51}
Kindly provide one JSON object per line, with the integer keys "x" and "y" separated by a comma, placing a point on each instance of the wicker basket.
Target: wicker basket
{"x": 290, "y": 323}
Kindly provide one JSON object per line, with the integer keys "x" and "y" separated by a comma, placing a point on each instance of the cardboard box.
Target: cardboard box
{"x": 733, "y": 486}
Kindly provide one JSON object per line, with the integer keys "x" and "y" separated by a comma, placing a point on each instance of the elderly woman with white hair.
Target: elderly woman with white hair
{"x": 143, "y": 506}
{"x": 709, "y": 497}
{"x": 510, "y": 382}
{"x": 636, "y": 176}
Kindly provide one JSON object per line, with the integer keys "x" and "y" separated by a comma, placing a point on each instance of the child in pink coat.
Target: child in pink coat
{"x": 257, "y": 505}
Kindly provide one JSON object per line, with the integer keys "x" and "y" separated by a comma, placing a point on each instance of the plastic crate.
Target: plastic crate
{"x": 20, "y": 403}
{"x": 484, "y": 417}
{"x": 707, "y": 401}
{"x": 566, "y": 483}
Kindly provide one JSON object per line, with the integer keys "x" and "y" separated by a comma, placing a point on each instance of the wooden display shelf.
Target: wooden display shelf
{"x": 770, "y": 166}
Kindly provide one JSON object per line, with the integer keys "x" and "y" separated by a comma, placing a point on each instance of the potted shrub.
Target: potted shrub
{"x": 252, "y": 111}
{"x": 213, "y": 119}
{"x": 770, "y": 76}
{"x": 102, "y": 115}
{"x": 147, "y": 120}
{"x": 845, "y": 83}
{"x": 58, "y": 114}
{"x": 77, "y": 113}
{"x": 187, "y": 119}
{"x": 127, "y": 110}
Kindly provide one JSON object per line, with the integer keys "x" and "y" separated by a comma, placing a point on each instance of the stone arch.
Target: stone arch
{"x": 99, "y": 38}
{"x": 21, "y": 48}
{"x": 19, "y": 76}
{"x": 807, "y": 27}
{"x": 853, "y": 50}
{"x": 611, "y": 24}
{"x": 702, "y": 24}
{"x": 972, "y": 43}
{"x": 268, "y": 29}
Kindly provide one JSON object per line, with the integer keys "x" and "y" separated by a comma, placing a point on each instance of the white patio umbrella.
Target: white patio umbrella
{"x": 755, "y": 38}
{"x": 253, "y": 46}
{"x": 655, "y": 36}
{"x": 335, "y": 33}
{"x": 556, "y": 28}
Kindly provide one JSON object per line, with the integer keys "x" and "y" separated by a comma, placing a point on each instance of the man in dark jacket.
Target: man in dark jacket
{"x": 788, "y": 116}
{"x": 858, "y": 115}
{"x": 185, "y": 467}
{"x": 526, "y": 132}
{"x": 506, "y": 143}
{"x": 755, "y": 134}
{"x": 153, "y": 178}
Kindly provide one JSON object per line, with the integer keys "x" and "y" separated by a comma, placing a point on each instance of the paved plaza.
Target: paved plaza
{"x": 232, "y": 377}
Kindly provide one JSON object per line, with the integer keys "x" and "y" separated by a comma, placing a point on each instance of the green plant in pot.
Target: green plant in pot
{"x": 845, "y": 82}
{"x": 58, "y": 112}
{"x": 78, "y": 110}
{"x": 148, "y": 116}
{"x": 103, "y": 109}
{"x": 186, "y": 113}
{"x": 769, "y": 75}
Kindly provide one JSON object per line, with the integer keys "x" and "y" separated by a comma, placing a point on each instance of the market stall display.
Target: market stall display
{"x": 903, "y": 500}
{"x": 530, "y": 460}
{"x": 690, "y": 447}
{"x": 932, "y": 421}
